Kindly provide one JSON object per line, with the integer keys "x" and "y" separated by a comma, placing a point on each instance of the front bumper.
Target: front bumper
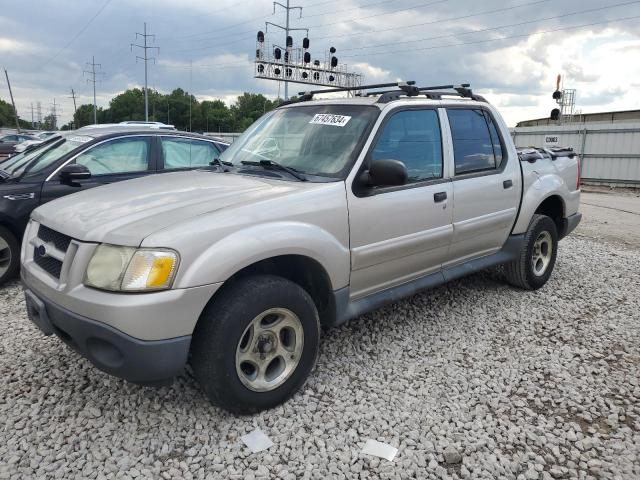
{"x": 109, "y": 349}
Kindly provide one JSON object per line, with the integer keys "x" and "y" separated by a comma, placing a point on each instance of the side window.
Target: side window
{"x": 187, "y": 152}
{"x": 473, "y": 146}
{"x": 11, "y": 138}
{"x": 121, "y": 155}
{"x": 413, "y": 137}
{"x": 495, "y": 139}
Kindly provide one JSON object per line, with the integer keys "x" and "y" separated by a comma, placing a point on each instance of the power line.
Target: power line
{"x": 82, "y": 30}
{"x": 495, "y": 39}
{"x": 438, "y": 21}
{"x": 366, "y": 5}
{"x": 146, "y": 59}
{"x": 590, "y": 10}
{"x": 252, "y": 31}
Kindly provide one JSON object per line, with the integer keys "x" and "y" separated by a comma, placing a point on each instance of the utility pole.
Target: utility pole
{"x": 33, "y": 123}
{"x": 55, "y": 114}
{"x": 75, "y": 109}
{"x": 93, "y": 80}
{"x": 287, "y": 43}
{"x": 168, "y": 122}
{"x": 15, "y": 112}
{"x": 39, "y": 114}
{"x": 146, "y": 59}
{"x": 190, "y": 88}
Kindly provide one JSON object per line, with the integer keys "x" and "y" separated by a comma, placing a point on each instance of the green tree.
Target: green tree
{"x": 216, "y": 116}
{"x": 129, "y": 105}
{"x": 248, "y": 108}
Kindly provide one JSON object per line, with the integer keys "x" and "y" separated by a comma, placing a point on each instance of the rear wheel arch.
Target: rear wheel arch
{"x": 553, "y": 207}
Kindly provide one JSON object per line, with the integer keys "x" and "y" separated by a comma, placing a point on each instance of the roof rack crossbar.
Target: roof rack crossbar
{"x": 358, "y": 87}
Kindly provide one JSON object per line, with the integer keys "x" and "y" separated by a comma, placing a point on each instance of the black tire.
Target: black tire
{"x": 10, "y": 256}
{"x": 221, "y": 328}
{"x": 520, "y": 273}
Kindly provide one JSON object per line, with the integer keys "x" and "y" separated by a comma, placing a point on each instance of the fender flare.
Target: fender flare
{"x": 250, "y": 245}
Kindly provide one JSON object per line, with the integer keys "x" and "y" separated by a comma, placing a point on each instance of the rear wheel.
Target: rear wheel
{"x": 538, "y": 256}
{"x": 9, "y": 255}
{"x": 255, "y": 344}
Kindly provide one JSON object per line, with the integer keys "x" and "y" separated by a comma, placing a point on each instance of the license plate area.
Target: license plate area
{"x": 38, "y": 313}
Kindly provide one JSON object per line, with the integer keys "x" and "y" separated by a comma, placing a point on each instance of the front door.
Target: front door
{"x": 114, "y": 160}
{"x": 486, "y": 185}
{"x": 401, "y": 233}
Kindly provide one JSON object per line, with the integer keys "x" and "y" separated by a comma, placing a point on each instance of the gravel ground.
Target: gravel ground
{"x": 471, "y": 380}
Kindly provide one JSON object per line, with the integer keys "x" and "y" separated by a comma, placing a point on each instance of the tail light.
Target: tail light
{"x": 578, "y": 181}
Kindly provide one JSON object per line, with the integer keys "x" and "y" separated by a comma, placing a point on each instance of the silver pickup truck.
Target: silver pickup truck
{"x": 321, "y": 211}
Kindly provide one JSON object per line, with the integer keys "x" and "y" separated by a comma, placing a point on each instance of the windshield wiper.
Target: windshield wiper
{"x": 278, "y": 166}
{"x": 216, "y": 162}
{"x": 4, "y": 176}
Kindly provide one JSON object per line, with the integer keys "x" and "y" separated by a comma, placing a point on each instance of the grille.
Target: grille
{"x": 60, "y": 240}
{"x": 49, "y": 264}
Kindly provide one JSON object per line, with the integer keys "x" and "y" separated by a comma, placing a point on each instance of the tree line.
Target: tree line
{"x": 178, "y": 108}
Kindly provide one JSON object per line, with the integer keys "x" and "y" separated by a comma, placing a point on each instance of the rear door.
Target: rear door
{"x": 486, "y": 185}
{"x": 113, "y": 160}
{"x": 184, "y": 153}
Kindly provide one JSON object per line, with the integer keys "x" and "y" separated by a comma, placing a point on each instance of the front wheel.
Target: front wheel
{"x": 255, "y": 344}
{"x": 9, "y": 255}
{"x": 537, "y": 258}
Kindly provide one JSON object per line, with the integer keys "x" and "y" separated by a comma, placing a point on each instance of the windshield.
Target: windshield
{"x": 315, "y": 139}
{"x": 37, "y": 159}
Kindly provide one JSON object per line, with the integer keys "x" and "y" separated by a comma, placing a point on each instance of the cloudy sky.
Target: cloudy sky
{"x": 509, "y": 50}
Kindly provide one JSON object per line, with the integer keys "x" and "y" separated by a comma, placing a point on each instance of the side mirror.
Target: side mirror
{"x": 73, "y": 172}
{"x": 386, "y": 173}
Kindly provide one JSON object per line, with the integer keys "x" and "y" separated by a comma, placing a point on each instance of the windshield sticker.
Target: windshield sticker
{"x": 330, "y": 119}
{"x": 80, "y": 139}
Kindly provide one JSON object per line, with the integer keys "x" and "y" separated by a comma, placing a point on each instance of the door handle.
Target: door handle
{"x": 439, "y": 197}
{"x": 507, "y": 183}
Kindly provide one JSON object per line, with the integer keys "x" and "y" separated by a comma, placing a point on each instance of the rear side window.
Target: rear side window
{"x": 122, "y": 155}
{"x": 474, "y": 145}
{"x": 413, "y": 137}
{"x": 187, "y": 153}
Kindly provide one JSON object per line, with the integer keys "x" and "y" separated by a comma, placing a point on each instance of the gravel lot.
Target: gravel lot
{"x": 470, "y": 380}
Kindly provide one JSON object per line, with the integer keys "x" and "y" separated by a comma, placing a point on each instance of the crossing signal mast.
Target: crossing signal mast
{"x": 294, "y": 63}
{"x": 566, "y": 100}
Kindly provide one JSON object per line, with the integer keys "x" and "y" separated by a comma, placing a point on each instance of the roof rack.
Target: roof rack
{"x": 407, "y": 89}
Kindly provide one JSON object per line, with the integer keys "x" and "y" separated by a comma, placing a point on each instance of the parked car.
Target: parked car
{"x": 8, "y": 144}
{"x": 319, "y": 212}
{"x": 142, "y": 123}
{"x": 130, "y": 123}
{"x": 75, "y": 161}
{"x": 28, "y": 144}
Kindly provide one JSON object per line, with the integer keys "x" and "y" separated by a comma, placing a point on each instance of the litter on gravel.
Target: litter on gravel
{"x": 257, "y": 441}
{"x": 379, "y": 449}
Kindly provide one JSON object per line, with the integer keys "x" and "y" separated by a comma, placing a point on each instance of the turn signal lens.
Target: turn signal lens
{"x": 150, "y": 270}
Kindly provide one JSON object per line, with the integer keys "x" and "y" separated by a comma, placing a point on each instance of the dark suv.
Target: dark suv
{"x": 74, "y": 161}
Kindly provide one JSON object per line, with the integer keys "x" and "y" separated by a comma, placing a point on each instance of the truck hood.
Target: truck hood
{"x": 125, "y": 213}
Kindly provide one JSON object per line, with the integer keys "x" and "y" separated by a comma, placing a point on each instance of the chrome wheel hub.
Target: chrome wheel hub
{"x": 269, "y": 349}
{"x": 542, "y": 253}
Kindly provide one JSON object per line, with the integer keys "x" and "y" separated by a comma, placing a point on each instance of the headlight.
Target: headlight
{"x": 130, "y": 269}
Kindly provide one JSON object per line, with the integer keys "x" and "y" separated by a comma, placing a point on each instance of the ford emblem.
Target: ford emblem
{"x": 42, "y": 251}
